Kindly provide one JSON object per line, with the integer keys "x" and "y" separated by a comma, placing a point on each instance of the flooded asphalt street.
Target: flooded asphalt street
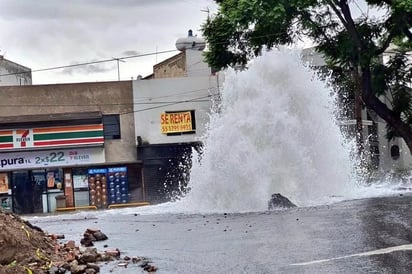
{"x": 359, "y": 236}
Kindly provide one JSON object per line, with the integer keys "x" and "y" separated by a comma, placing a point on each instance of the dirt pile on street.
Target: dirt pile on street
{"x": 24, "y": 248}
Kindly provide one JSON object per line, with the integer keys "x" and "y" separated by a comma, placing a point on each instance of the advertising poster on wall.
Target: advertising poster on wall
{"x": 39, "y": 178}
{"x": 4, "y": 183}
{"x": 108, "y": 186}
{"x": 54, "y": 179}
{"x": 80, "y": 182}
{"x": 118, "y": 186}
{"x": 51, "y": 158}
{"x": 172, "y": 122}
{"x": 98, "y": 187}
{"x": 50, "y": 179}
{"x": 68, "y": 188}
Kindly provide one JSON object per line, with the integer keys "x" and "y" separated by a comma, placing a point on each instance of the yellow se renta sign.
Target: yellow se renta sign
{"x": 176, "y": 122}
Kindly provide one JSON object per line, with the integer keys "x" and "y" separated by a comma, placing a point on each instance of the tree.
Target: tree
{"x": 351, "y": 45}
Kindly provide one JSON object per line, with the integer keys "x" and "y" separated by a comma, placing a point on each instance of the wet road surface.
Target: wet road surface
{"x": 358, "y": 236}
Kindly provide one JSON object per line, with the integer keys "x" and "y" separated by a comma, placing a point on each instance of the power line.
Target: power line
{"x": 116, "y": 59}
{"x": 89, "y": 63}
{"x": 109, "y": 104}
{"x": 140, "y": 101}
{"x": 171, "y": 104}
{"x": 171, "y": 95}
{"x": 121, "y": 58}
{"x": 146, "y": 54}
{"x": 362, "y": 12}
{"x": 200, "y": 99}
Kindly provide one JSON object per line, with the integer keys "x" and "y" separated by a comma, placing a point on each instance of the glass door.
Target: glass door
{"x": 22, "y": 192}
{"x": 27, "y": 194}
{"x": 39, "y": 182}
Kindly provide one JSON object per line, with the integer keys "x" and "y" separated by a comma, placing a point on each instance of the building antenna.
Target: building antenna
{"x": 207, "y": 11}
{"x": 156, "y": 54}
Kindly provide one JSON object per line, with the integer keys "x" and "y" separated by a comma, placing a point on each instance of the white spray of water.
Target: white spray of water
{"x": 276, "y": 133}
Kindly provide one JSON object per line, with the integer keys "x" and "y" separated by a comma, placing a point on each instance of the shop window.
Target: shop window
{"x": 80, "y": 179}
{"x": 80, "y": 186}
{"x": 5, "y": 199}
{"x": 111, "y": 124}
{"x": 39, "y": 179}
{"x": 54, "y": 179}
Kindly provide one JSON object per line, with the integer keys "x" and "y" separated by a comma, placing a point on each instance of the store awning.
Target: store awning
{"x": 53, "y": 119}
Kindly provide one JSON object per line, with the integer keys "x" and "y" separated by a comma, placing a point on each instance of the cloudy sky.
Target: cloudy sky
{"x": 52, "y": 33}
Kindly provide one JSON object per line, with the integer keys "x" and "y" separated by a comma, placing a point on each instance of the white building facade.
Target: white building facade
{"x": 171, "y": 109}
{"x": 13, "y": 74}
{"x": 388, "y": 155}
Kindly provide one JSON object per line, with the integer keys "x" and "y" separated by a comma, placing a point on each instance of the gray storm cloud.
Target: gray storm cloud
{"x": 50, "y": 33}
{"x": 130, "y": 53}
{"x": 83, "y": 68}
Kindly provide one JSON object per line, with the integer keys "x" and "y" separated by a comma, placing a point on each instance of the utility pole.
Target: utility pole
{"x": 207, "y": 11}
{"x": 118, "y": 67}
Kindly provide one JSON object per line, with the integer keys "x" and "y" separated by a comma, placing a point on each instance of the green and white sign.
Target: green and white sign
{"x": 51, "y": 158}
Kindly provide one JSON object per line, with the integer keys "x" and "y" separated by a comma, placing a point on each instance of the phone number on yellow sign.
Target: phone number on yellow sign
{"x": 176, "y": 128}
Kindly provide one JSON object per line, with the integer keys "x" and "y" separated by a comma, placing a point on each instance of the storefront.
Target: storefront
{"x": 41, "y": 170}
{"x": 36, "y": 178}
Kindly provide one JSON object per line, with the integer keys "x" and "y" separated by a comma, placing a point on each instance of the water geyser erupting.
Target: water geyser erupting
{"x": 276, "y": 133}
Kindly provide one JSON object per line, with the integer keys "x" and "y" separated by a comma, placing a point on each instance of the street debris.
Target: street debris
{"x": 26, "y": 249}
{"x": 92, "y": 235}
{"x": 278, "y": 201}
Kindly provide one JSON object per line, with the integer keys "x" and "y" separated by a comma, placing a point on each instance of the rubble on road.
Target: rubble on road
{"x": 27, "y": 249}
{"x": 92, "y": 235}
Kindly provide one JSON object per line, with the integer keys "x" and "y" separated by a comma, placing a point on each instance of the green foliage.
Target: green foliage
{"x": 397, "y": 77}
{"x": 242, "y": 29}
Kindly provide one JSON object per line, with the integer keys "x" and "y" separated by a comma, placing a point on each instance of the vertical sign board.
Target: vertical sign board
{"x": 98, "y": 187}
{"x": 118, "y": 185}
{"x": 50, "y": 179}
{"x": 68, "y": 187}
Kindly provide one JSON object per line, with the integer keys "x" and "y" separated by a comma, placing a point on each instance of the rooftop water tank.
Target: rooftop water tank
{"x": 190, "y": 42}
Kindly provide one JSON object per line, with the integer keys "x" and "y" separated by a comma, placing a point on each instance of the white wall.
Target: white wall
{"x": 195, "y": 64}
{"x": 387, "y": 162}
{"x": 9, "y": 76}
{"x": 153, "y": 97}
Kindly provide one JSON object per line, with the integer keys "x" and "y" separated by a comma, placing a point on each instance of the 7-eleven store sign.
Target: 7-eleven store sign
{"x": 22, "y": 138}
{"x": 49, "y": 137}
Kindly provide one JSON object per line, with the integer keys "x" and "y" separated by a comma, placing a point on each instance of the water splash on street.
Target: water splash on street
{"x": 276, "y": 133}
